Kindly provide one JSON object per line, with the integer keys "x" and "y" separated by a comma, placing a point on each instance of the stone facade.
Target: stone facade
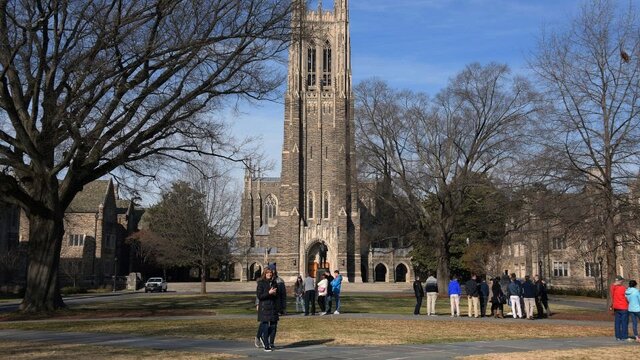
{"x": 314, "y": 203}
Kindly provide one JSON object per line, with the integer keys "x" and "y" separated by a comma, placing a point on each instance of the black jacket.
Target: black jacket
{"x": 496, "y": 290}
{"x": 484, "y": 289}
{"x": 471, "y": 288}
{"x": 329, "y": 287}
{"x": 541, "y": 290}
{"x": 528, "y": 289}
{"x": 268, "y": 305}
{"x": 417, "y": 289}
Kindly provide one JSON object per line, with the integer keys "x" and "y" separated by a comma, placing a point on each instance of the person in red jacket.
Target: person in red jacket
{"x": 620, "y": 306}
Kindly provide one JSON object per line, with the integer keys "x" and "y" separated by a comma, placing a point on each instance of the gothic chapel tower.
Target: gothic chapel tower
{"x": 315, "y": 200}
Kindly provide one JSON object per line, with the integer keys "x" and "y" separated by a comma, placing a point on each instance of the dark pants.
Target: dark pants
{"x": 418, "y": 305}
{"x": 634, "y": 318}
{"x": 328, "y": 302}
{"x": 310, "y": 299}
{"x": 622, "y": 324}
{"x": 496, "y": 306}
{"x": 267, "y": 332}
{"x": 322, "y": 303}
{"x": 483, "y": 306}
{"x": 539, "y": 308}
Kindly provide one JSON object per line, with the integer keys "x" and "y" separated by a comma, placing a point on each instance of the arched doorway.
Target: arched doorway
{"x": 401, "y": 273}
{"x": 313, "y": 258}
{"x": 255, "y": 271}
{"x": 381, "y": 273}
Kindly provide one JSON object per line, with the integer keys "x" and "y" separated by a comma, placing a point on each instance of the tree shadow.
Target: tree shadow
{"x": 306, "y": 343}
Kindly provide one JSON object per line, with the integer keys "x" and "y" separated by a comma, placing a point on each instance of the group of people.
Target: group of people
{"x": 625, "y": 303}
{"x": 271, "y": 300}
{"x": 326, "y": 291}
{"x": 508, "y": 290}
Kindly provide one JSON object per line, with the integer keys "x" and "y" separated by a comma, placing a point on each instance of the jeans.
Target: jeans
{"x": 483, "y": 306}
{"x": 431, "y": 303}
{"x": 267, "y": 332}
{"x": 310, "y": 299}
{"x": 634, "y": 320}
{"x": 622, "y": 324}
{"x": 321, "y": 302}
{"x": 416, "y": 311}
{"x": 455, "y": 304}
{"x": 336, "y": 298}
{"x": 299, "y": 302}
{"x": 327, "y": 301}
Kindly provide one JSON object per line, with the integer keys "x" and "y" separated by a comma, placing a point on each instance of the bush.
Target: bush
{"x": 575, "y": 292}
{"x": 70, "y": 290}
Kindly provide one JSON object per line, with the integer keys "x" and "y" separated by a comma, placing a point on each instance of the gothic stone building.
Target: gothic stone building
{"x": 314, "y": 204}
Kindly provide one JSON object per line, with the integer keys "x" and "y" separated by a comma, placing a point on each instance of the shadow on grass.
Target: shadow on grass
{"x": 306, "y": 343}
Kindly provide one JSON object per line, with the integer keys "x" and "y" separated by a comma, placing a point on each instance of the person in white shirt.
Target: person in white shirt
{"x": 322, "y": 294}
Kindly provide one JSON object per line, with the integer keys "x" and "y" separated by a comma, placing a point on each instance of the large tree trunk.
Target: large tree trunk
{"x": 443, "y": 267}
{"x": 203, "y": 280}
{"x": 45, "y": 239}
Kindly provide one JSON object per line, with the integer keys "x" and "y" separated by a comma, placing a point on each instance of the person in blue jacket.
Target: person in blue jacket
{"x": 454, "y": 296}
{"x": 633, "y": 297}
{"x": 336, "y": 286}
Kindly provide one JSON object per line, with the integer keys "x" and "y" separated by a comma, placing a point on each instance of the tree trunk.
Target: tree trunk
{"x": 45, "y": 240}
{"x": 203, "y": 280}
{"x": 610, "y": 238}
{"x": 443, "y": 268}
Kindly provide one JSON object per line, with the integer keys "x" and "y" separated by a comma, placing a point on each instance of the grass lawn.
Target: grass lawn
{"x": 36, "y": 350}
{"x": 243, "y": 304}
{"x": 338, "y": 330}
{"x": 622, "y": 351}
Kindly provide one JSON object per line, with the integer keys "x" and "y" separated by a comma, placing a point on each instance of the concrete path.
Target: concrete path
{"x": 311, "y": 349}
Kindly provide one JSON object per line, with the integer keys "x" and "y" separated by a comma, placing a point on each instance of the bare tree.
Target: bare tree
{"x": 90, "y": 86}
{"x": 591, "y": 74}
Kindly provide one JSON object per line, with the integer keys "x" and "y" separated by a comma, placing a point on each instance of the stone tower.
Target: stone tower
{"x": 314, "y": 203}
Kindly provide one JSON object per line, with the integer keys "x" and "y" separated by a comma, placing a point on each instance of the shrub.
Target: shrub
{"x": 575, "y": 292}
{"x": 70, "y": 290}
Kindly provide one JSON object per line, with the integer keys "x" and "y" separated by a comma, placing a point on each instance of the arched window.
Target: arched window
{"x": 325, "y": 205}
{"x": 311, "y": 66}
{"x": 270, "y": 208}
{"x": 326, "y": 64}
{"x": 310, "y": 201}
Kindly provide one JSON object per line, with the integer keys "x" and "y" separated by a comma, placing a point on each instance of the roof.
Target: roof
{"x": 89, "y": 199}
{"x": 122, "y": 206}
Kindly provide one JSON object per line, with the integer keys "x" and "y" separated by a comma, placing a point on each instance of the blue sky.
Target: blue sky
{"x": 420, "y": 44}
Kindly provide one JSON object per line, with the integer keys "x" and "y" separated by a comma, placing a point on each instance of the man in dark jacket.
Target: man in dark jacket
{"x": 541, "y": 291}
{"x": 484, "y": 297}
{"x": 329, "y": 291}
{"x": 473, "y": 295}
{"x": 419, "y": 293}
{"x": 529, "y": 296}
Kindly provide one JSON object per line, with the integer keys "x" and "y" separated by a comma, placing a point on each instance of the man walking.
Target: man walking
{"x": 336, "y": 286}
{"x": 419, "y": 293}
{"x": 620, "y": 307}
{"x": 473, "y": 296}
{"x": 484, "y": 297}
{"x": 514, "y": 291}
{"x": 454, "y": 296}
{"x": 431, "y": 288}
{"x": 309, "y": 295}
{"x": 529, "y": 295}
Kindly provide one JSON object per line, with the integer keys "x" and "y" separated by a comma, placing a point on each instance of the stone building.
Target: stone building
{"x": 312, "y": 208}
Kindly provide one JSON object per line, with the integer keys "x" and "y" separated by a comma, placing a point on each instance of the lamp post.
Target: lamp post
{"x": 115, "y": 269}
{"x": 601, "y": 277}
{"x": 540, "y": 269}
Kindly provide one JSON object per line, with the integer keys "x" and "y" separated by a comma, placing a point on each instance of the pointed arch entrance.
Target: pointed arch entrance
{"x": 314, "y": 256}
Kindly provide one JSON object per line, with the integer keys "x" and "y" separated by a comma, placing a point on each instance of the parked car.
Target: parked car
{"x": 155, "y": 284}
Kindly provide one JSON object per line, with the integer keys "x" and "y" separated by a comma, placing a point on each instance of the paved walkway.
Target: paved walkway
{"x": 310, "y": 350}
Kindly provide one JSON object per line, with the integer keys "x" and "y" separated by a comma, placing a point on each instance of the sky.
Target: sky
{"x": 419, "y": 45}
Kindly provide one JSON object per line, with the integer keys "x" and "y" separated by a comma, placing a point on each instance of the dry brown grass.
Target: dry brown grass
{"x": 336, "y": 330}
{"x": 601, "y": 353}
{"x": 35, "y": 350}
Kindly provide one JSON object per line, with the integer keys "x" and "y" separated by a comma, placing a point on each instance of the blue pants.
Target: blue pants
{"x": 634, "y": 320}
{"x": 336, "y": 299}
{"x": 267, "y": 332}
{"x": 622, "y": 324}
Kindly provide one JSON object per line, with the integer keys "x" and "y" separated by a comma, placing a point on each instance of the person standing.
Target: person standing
{"x": 541, "y": 290}
{"x": 497, "y": 296}
{"x": 633, "y": 298}
{"x": 473, "y": 295}
{"x": 529, "y": 295}
{"x": 322, "y": 294}
{"x": 336, "y": 285}
{"x": 431, "y": 288}
{"x": 419, "y": 293}
{"x": 454, "y": 296}
{"x": 309, "y": 295}
{"x": 329, "y": 298}
{"x": 620, "y": 307}
{"x": 514, "y": 291}
{"x": 299, "y": 292}
{"x": 484, "y": 297}
{"x": 268, "y": 305}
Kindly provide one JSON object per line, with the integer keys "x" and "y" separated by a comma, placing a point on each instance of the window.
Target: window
{"x": 591, "y": 269}
{"x": 311, "y": 66}
{"x": 76, "y": 240}
{"x": 560, "y": 268}
{"x": 310, "y": 205}
{"x": 326, "y": 64}
{"x": 270, "y": 208}
{"x": 559, "y": 243}
{"x": 325, "y": 205}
